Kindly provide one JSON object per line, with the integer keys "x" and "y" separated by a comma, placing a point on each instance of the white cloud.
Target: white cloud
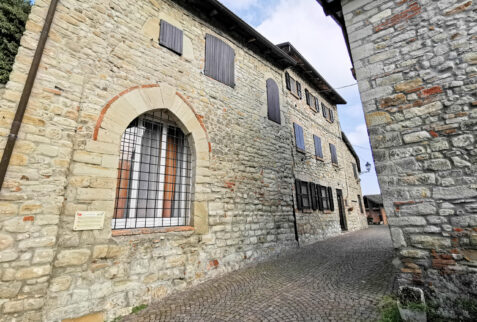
{"x": 359, "y": 135}
{"x": 317, "y": 37}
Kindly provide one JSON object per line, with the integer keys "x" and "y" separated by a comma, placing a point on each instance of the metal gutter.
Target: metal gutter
{"x": 26, "y": 93}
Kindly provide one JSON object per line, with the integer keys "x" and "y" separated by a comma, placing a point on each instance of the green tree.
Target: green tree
{"x": 13, "y": 16}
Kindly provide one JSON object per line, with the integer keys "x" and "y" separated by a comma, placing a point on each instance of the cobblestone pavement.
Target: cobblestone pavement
{"x": 340, "y": 279}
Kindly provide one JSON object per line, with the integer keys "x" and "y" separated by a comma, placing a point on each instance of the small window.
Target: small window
{"x": 355, "y": 171}
{"x": 324, "y": 109}
{"x": 292, "y": 85}
{"x": 302, "y": 195}
{"x": 334, "y": 156}
{"x": 360, "y": 204}
{"x": 325, "y": 201}
{"x": 317, "y": 105}
{"x": 299, "y": 138}
{"x": 332, "y": 116}
{"x": 307, "y": 97}
{"x": 273, "y": 101}
{"x": 171, "y": 37}
{"x": 219, "y": 60}
{"x": 318, "y": 148}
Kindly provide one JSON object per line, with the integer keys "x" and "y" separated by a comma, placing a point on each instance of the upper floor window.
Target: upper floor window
{"x": 328, "y": 113}
{"x": 273, "y": 101}
{"x": 219, "y": 60}
{"x": 312, "y": 101}
{"x": 318, "y": 148}
{"x": 299, "y": 138}
{"x": 293, "y": 86}
{"x": 334, "y": 156}
{"x": 171, "y": 37}
{"x": 154, "y": 174}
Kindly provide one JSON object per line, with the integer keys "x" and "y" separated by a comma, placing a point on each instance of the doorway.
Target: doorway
{"x": 339, "y": 197}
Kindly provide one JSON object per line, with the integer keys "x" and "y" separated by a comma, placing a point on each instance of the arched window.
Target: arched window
{"x": 273, "y": 101}
{"x": 154, "y": 174}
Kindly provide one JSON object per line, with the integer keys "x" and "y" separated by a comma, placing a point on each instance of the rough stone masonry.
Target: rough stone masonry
{"x": 416, "y": 66}
{"x": 102, "y": 67}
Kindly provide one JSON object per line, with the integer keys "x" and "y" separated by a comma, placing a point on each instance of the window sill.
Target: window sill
{"x": 145, "y": 231}
{"x": 335, "y": 165}
{"x": 294, "y": 94}
{"x": 327, "y": 212}
{"x": 319, "y": 159}
{"x": 301, "y": 150}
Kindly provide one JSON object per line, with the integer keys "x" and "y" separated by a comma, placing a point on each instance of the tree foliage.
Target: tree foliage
{"x": 13, "y": 16}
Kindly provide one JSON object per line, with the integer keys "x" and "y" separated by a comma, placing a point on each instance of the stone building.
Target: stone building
{"x": 375, "y": 209}
{"x": 415, "y": 62}
{"x": 159, "y": 149}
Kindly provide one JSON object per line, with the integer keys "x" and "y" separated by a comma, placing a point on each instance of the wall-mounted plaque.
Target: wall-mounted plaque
{"x": 89, "y": 220}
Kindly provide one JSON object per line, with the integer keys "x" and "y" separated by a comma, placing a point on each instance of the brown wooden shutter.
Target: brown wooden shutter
{"x": 273, "y": 101}
{"x": 313, "y": 197}
{"x": 171, "y": 37}
{"x": 320, "y": 199}
{"x": 330, "y": 198}
{"x": 299, "y": 198}
{"x": 287, "y": 81}
{"x": 317, "y": 104}
{"x": 219, "y": 60}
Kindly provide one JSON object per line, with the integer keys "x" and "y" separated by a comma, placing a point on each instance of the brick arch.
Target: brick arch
{"x": 122, "y": 109}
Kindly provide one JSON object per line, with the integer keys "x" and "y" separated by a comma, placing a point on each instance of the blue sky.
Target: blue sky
{"x": 319, "y": 39}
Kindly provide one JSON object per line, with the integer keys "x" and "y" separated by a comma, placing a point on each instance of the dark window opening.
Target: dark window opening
{"x": 302, "y": 195}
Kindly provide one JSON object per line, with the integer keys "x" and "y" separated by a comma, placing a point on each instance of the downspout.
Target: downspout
{"x": 26, "y": 93}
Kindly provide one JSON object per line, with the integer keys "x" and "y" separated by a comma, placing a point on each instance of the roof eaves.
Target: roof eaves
{"x": 308, "y": 69}
{"x": 351, "y": 149}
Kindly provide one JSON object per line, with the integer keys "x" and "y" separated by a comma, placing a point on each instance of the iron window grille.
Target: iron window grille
{"x": 154, "y": 174}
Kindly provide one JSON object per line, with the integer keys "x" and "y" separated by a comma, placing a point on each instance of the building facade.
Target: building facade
{"x": 179, "y": 130}
{"x": 415, "y": 62}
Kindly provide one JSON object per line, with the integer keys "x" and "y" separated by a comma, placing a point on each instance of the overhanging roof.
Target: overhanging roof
{"x": 217, "y": 15}
{"x": 350, "y": 148}
{"x": 312, "y": 74}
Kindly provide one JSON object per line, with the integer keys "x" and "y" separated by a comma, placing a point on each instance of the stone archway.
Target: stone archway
{"x": 121, "y": 110}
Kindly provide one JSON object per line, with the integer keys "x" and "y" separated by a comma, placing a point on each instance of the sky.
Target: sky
{"x": 320, "y": 40}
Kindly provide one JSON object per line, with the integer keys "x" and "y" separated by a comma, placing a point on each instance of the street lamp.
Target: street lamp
{"x": 368, "y": 168}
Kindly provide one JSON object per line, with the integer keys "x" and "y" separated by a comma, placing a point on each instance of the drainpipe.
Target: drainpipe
{"x": 17, "y": 121}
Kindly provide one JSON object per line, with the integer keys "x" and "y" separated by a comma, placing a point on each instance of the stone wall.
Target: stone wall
{"x": 416, "y": 66}
{"x": 102, "y": 67}
{"x": 318, "y": 225}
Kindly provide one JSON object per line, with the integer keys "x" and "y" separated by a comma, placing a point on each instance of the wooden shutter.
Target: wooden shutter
{"x": 318, "y": 148}
{"x": 320, "y": 199}
{"x": 307, "y": 97}
{"x": 298, "y": 89}
{"x": 273, "y": 101}
{"x": 299, "y": 200}
{"x": 334, "y": 157}
{"x": 171, "y": 37}
{"x": 299, "y": 139}
{"x": 287, "y": 81}
{"x": 219, "y": 60}
{"x": 332, "y": 116}
{"x": 317, "y": 104}
{"x": 313, "y": 196}
{"x": 325, "y": 111}
{"x": 330, "y": 198}
{"x": 305, "y": 192}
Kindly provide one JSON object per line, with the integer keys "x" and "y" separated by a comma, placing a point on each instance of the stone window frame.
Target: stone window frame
{"x": 120, "y": 111}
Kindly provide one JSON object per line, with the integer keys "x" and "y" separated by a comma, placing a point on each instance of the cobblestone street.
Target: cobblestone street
{"x": 340, "y": 279}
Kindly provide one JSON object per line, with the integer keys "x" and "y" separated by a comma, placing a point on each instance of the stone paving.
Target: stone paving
{"x": 340, "y": 279}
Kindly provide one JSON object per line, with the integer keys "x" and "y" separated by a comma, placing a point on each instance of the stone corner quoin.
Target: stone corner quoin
{"x": 416, "y": 63}
{"x": 102, "y": 70}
